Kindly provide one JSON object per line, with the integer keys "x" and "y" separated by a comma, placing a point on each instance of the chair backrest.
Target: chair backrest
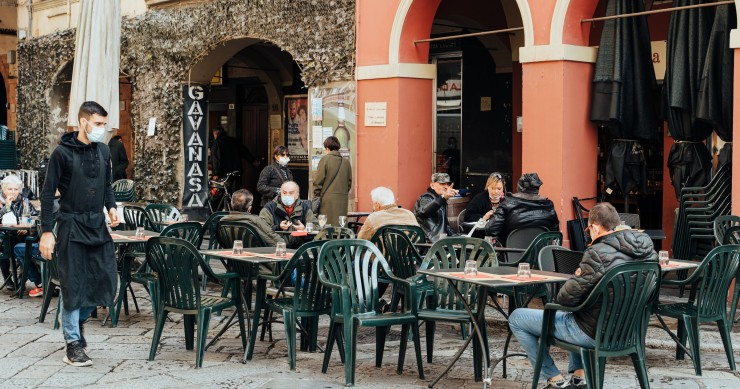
{"x": 521, "y": 238}
{"x": 176, "y": 263}
{"x": 209, "y": 228}
{"x": 732, "y": 236}
{"x": 229, "y": 231}
{"x": 714, "y": 275}
{"x": 461, "y": 220}
{"x": 545, "y": 259}
{"x": 722, "y": 224}
{"x": 309, "y": 294}
{"x": 123, "y": 190}
{"x": 566, "y": 261}
{"x": 135, "y": 216}
{"x": 162, "y": 212}
{"x": 400, "y": 253}
{"x": 190, "y": 231}
{"x": 626, "y": 295}
{"x": 415, "y": 234}
{"x": 531, "y": 254}
{"x": 630, "y": 219}
{"x": 330, "y": 233}
{"x": 351, "y": 268}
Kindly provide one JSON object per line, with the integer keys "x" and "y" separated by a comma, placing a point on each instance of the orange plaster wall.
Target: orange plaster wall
{"x": 418, "y": 25}
{"x": 559, "y": 142}
{"x": 516, "y": 137}
{"x": 374, "y": 23}
{"x": 396, "y": 156}
{"x": 670, "y": 203}
{"x": 575, "y": 32}
{"x": 542, "y": 11}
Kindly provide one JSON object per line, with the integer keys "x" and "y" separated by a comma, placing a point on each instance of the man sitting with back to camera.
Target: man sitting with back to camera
{"x": 610, "y": 248}
{"x": 431, "y": 207}
{"x": 525, "y": 208}
{"x": 385, "y": 212}
{"x": 241, "y": 206}
{"x": 288, "y": 212}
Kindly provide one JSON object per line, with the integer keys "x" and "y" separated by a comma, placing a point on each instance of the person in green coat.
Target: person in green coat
{"x": 332, "y": 182}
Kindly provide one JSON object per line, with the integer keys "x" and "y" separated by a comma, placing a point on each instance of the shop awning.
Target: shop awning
{"x": 97, "y": 59}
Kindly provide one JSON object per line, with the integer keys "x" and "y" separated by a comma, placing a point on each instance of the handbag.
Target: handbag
{"x": 316, "y": 202}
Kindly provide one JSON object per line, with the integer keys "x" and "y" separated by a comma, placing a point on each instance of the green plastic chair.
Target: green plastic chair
{"x": 49, "y": 279}
{"x": 329, "y": 233}
{"x": 626, "y": 293}
{"x": 226, "y": 233}
{"x": 209, "y": 232}
{"x": 404, "y": 260}
{"x": 135, "y": 216}
{"x": 732, "y": 236}
{"x": 722, "y": 224}
{"x": 123, "y": 190}
{"x": 415, "y": 234}
{"x": 350, "y": 267}
{"x": 444, "y": 305}
{"x": 707, "y": 302}
{"x": 160, "y": 213}
{"x": 306, "y": 297}
{"x": 176, "y": 262}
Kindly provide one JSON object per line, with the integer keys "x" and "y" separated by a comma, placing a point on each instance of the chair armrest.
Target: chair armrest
{"x": 410, "y": 285}
{"x": 225, "y": 276}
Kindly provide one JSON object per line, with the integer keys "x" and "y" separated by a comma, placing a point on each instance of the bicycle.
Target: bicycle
{"x": 219, "y": 193}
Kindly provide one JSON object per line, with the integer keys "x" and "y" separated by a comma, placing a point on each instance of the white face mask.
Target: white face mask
{"x": 96, "y": 134}
{"x": 283, "y": 161}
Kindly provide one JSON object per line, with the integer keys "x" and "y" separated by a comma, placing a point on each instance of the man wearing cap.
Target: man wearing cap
{"x": 431, "y": 207}
{"x": 526, "y": 208}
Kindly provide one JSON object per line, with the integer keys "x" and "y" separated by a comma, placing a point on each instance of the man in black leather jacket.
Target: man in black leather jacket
{"x": 431, "y": 207}
{"x": 526, "y": 208}
{"x": 609, "y": 248}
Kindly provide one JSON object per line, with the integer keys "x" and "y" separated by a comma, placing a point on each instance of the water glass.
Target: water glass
{"x": 183, "y": 218}
{"x": 322, "y": 221}
{"x": 342, "y": 221}
{"x": 491, "y": 240}
{"x": 280, "y": 250}
{"x": 471, "y": 268}
{"x": 139, "y": 233}
{"x": 309, "y": 227}
{"x": 238, "y": 247}
{"x": 441, "y": 236}
{"x": 524, "y": 273}
{"x": 663, "y": 258}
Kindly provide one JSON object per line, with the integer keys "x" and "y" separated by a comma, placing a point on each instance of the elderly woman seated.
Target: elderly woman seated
{"x": 11, "y": 208}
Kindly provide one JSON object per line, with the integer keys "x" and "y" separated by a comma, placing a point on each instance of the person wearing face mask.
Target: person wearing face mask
{"x": 274, "y": 175}
{"x": 80, "y": 169}
{"x": 288, "y": 212}
{"x": 11, "y": 212}
{"x": 484, "y": 204}
{"x": 241, "y": 208}
{"x": 610, "y": 248}
{"x": 385, "y": 212}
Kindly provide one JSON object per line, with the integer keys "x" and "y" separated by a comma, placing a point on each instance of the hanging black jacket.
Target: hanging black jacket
{"x": 522, "y": 210}
{"x": 606, "y": 252}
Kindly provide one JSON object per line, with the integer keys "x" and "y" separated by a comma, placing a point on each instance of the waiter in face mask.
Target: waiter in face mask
{"x": 80, "y": 169}
{"x": 274, "y": 175}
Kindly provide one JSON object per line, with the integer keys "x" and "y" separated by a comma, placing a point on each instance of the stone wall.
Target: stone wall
{"x": 157, "y": 50}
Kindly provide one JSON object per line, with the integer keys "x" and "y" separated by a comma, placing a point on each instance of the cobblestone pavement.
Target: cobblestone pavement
{"x": 31, "y": 356}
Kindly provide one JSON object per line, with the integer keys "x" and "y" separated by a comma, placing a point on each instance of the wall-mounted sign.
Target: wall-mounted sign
{"x": 195, "y": 138}
{"x": 659, "y": 59}
{"x": 375, "y": 114}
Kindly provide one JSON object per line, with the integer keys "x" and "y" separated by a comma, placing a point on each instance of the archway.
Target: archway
{"x": 248, "y": 80}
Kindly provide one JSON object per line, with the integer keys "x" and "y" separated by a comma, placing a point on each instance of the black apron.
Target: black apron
{"x": 87, "y": 261}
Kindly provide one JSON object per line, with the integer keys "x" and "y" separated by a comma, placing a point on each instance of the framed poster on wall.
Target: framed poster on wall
{"x": 295, "y": 108}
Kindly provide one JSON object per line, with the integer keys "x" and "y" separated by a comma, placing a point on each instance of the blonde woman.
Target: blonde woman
{"x": 484, "y": 204}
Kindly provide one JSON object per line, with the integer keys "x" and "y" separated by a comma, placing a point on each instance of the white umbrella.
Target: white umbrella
{"x": 97, "y": 59}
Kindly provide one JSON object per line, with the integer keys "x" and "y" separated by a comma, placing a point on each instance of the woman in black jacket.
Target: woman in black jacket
{"x": 273, "y": 175}
{"x": 484, "y": 204}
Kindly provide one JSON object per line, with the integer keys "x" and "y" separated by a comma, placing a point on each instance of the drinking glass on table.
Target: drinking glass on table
{"x": 471, "y": 268}
{"x": 183, "y": 218}
{"x": 309, "y": 227}
{"x": 524, "y": 273}
{"x": 342, "y": 221}
{"x": 280, "y": 250}
{"x": 238, "y": 247}
{"x": 322, "y": 221}
{"x": 663, "y": 258}
{"x": 491, "y": 240}
{"x": 139, "y": 233}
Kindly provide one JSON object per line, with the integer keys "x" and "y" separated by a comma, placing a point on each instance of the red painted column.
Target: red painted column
{"x": 558, "y": 140}
{"x": 736, "y": 135}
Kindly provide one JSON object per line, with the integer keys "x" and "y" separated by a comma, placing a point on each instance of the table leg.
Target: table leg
{"x": 258, "y": 301}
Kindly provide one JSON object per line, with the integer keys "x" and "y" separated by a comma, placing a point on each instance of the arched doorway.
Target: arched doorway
{"x": 248, "y": 80}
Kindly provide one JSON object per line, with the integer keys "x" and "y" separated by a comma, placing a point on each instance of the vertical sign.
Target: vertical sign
{"x": 195, "y": 138}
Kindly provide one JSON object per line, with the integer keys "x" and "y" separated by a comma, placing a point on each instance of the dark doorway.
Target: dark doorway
{"x": 255, "y": 135}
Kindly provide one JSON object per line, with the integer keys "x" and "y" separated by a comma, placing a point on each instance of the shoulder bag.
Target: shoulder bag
{"x": 316, "y": 202}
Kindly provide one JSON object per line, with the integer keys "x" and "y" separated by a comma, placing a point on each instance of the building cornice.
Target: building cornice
{"x": 557, "y": 52}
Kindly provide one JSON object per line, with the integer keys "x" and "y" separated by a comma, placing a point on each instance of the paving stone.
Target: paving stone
{"x": 12, "y": 365}
{"x": 78, "y": 378}
{"x": 38, "y": 372}
{"x": 21, "y": 383}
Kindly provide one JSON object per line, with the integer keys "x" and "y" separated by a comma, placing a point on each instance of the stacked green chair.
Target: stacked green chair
{"x": 444, "y": 304}
{"x": 707, "y": 302}
{"x": 350, "y": 267}
{"x": 161, "y": 212}
{"x": 124, "y": 191}
{"x": 304, "y": 298}
{"x": 176, "y": 262}
{"x": 722, "y": 224}
{"x": 626, "y": 293}
{"x": 330, "y": 233}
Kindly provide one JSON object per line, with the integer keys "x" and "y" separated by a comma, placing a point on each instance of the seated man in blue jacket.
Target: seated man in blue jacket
{"x": 609, "y": 248}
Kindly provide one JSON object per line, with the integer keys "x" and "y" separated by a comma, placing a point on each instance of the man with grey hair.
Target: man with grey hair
{"x": 241, "y": 206}
{"x": 288, "y": 212}
{"x": 385, "y": 212}
{"x": 431, "y": 207}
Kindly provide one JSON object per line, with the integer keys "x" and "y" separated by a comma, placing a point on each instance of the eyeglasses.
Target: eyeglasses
{"x": 497, "y": 176}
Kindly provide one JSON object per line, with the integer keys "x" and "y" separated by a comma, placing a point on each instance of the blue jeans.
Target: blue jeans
{"x": 71, "y": 321}
{"x": 526, "y": 324}
{"x": 19, "y": 252}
